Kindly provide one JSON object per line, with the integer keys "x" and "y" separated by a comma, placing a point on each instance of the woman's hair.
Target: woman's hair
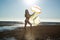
{"x": 26, "y": 11}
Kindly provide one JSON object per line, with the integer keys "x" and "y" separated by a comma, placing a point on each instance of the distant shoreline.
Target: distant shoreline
{"x": 11, "y": 23}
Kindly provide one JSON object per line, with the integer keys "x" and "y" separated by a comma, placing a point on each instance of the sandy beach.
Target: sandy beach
{"x": 40, "y": 32}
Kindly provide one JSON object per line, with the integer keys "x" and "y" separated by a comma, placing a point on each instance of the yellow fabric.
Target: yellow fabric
{"x": 34, "y": 19}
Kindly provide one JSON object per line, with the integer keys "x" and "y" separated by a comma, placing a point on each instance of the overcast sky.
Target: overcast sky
{"x": 15, "y": 9}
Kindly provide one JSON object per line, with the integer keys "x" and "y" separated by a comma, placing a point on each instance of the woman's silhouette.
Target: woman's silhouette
{"x": 27, "y": 15}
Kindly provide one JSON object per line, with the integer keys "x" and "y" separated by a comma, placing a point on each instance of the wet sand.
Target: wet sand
{"x": 40, "y": 32}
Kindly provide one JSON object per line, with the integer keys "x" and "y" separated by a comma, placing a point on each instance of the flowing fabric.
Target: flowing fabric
{"x": 34, "y": 19}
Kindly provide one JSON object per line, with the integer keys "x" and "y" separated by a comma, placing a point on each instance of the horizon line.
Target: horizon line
{"x": 41, "y": 20}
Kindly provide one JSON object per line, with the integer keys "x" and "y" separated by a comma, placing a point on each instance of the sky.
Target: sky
{"x": 15, "y": 9}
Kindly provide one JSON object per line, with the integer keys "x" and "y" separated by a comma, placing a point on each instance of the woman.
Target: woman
{"x": 27, "y": 15}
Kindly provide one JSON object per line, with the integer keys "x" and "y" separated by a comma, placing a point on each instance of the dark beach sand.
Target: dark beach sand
{"x": 40, "y": 32}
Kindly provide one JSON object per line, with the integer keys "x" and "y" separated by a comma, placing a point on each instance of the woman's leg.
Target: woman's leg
{"x": 29, "y": 23}
{"x": 30, "y": 26}
{"x": 25, "y": 24}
